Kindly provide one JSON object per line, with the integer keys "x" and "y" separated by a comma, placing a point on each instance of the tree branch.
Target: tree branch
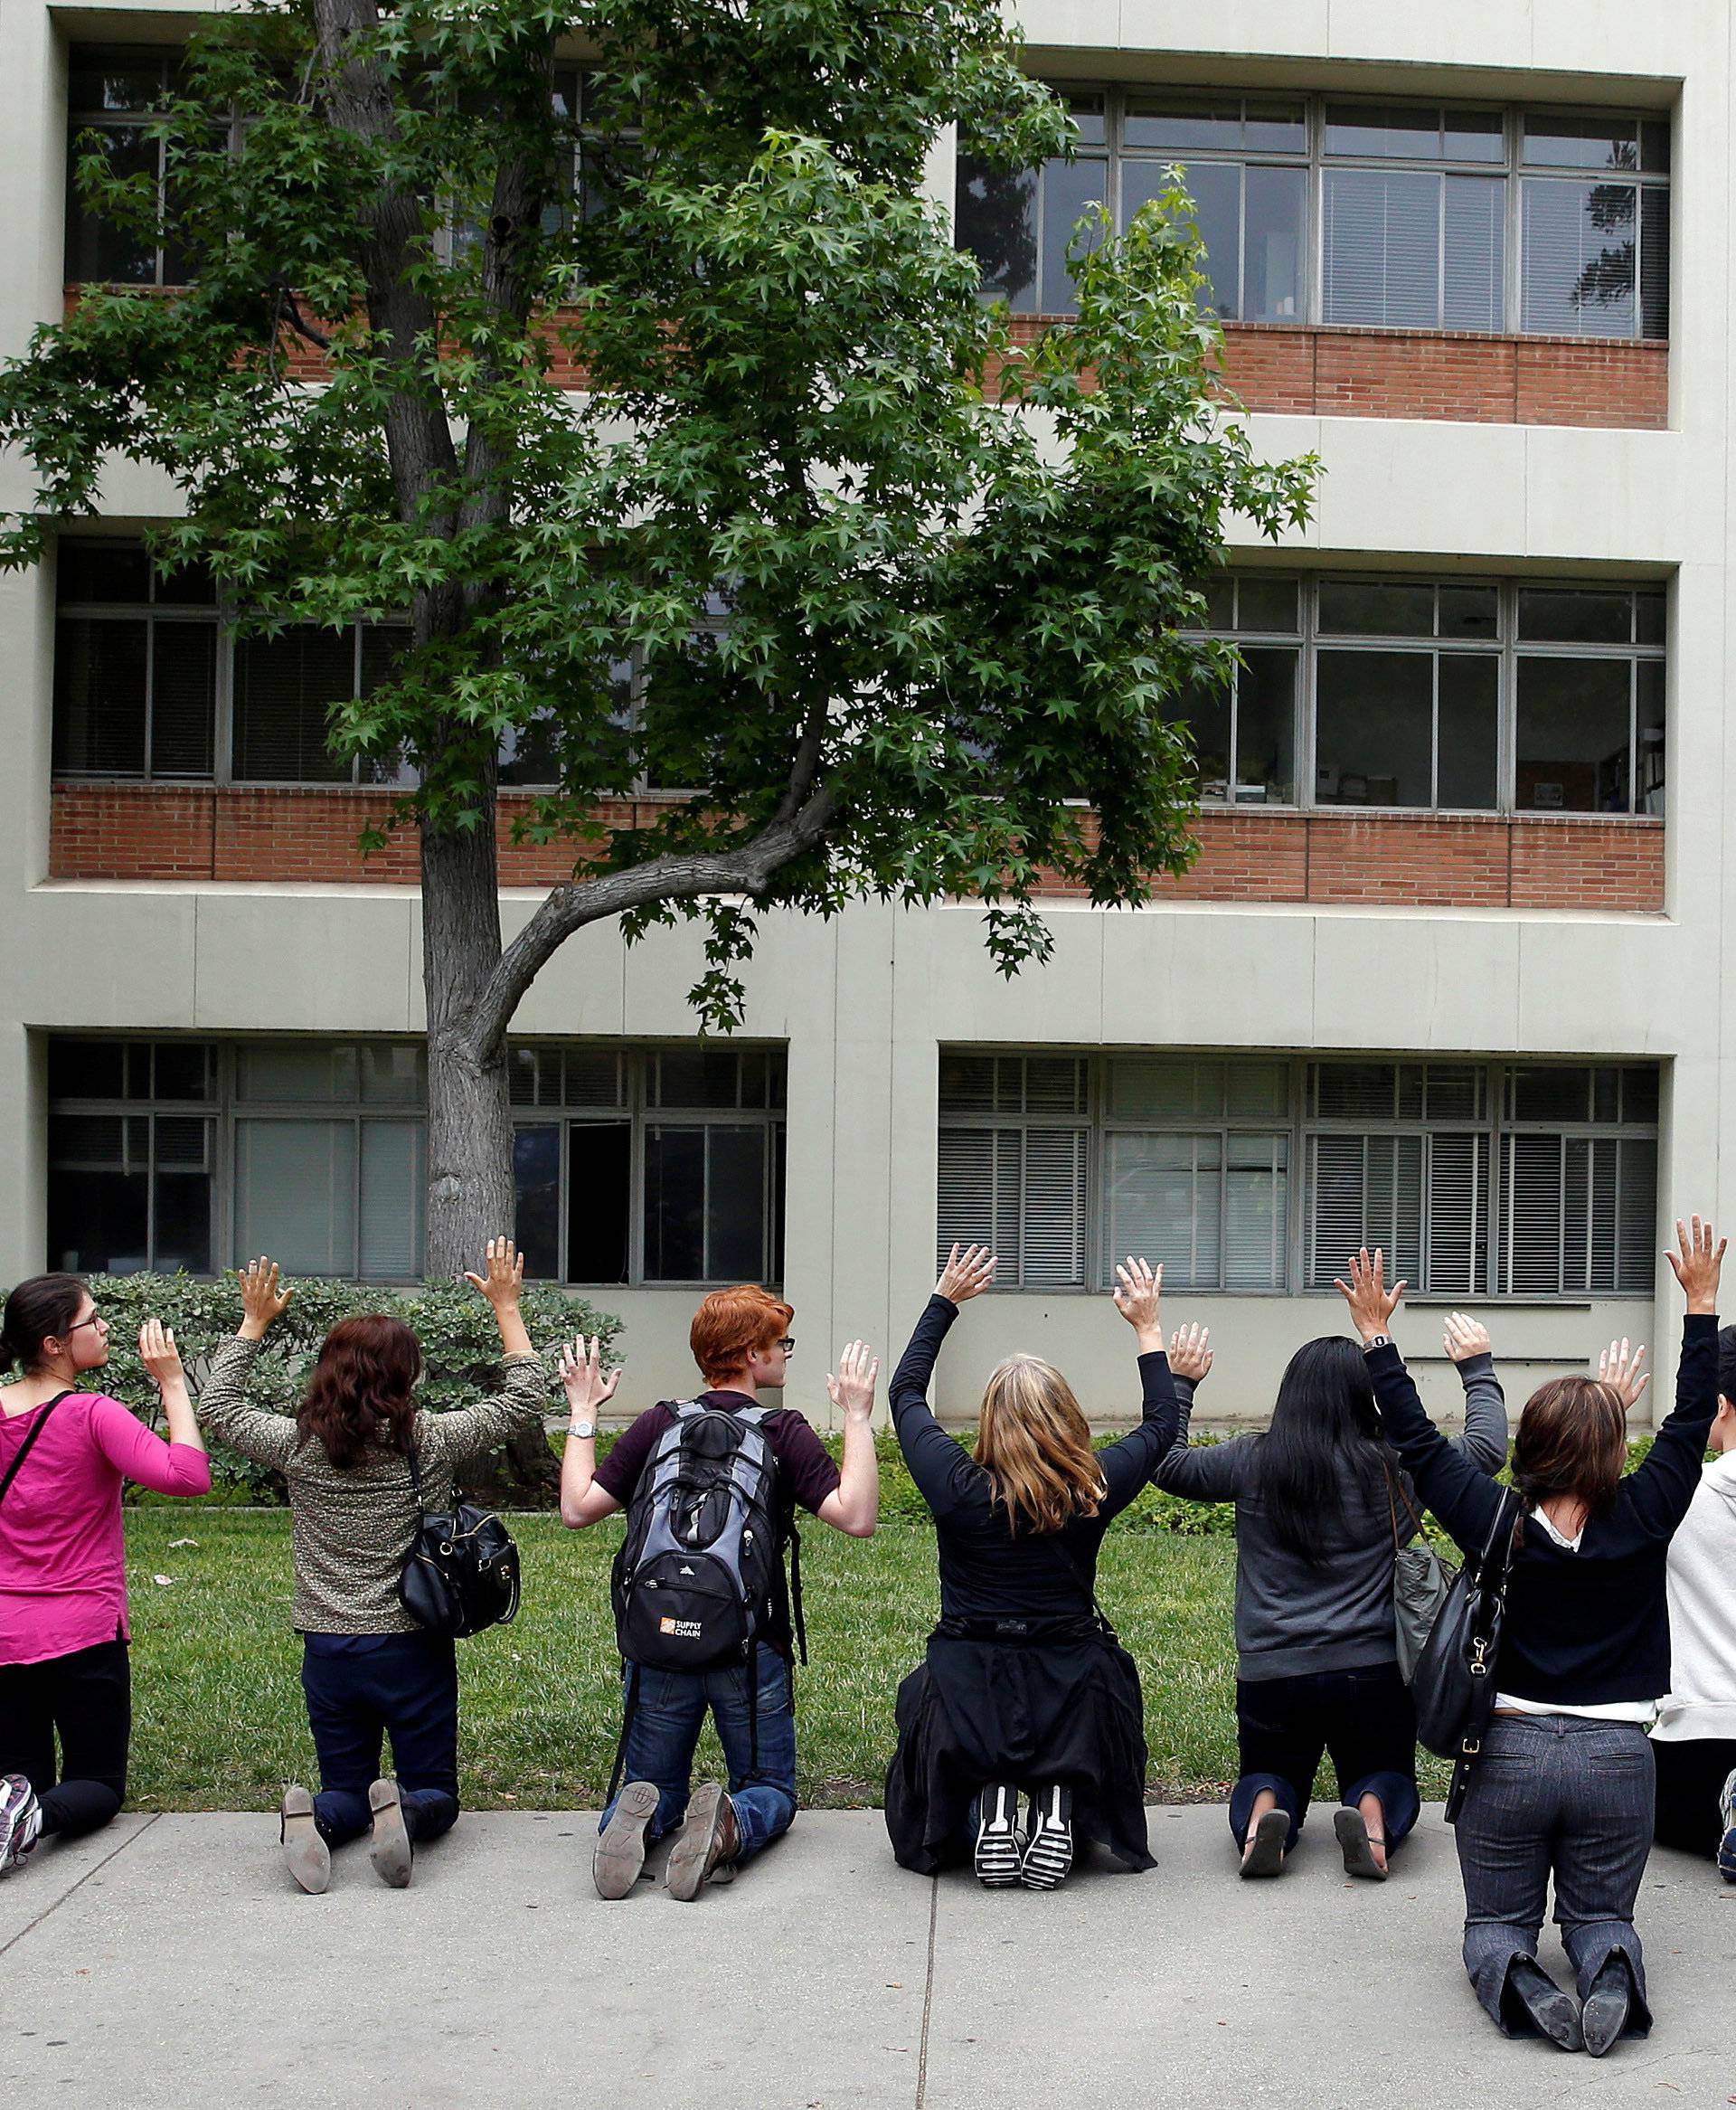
{"x": 684, "y": 876}
{"x": 289, "y": 307}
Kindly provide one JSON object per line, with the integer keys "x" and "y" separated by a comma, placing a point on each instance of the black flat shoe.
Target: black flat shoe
{"x": 1532, "y": 1996}
{"x": 1264, "y": 1853}
{"x": 1604, "y": 2016}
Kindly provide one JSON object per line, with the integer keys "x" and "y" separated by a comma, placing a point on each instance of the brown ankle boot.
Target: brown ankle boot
{"x": 709, "y": 1843}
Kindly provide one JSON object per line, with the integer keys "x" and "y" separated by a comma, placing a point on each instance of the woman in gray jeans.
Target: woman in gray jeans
{"x": 1565, "y": 1783}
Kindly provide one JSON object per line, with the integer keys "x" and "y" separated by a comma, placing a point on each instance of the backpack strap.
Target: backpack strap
{"x": 24, "y": 1449}
{"x": 797, "y": 1621}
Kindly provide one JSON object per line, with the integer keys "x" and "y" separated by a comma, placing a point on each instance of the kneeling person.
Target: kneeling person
{"x": 712, "y": 1486}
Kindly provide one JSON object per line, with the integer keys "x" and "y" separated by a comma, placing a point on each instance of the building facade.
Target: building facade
{"x": 1448, "y": 975}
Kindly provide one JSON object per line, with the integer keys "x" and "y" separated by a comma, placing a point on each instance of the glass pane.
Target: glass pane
{"x": 536, "y": 1188}
{"x": 183, "y": 698}
{"x": 1266, "y": 727}
{"x": 591, "y": 1076}
{"x": 99, "y": 696}
{"x": 1469, "y": 611}
{"x": 1366, "y": 608}
{"x": 394, "y": 1188}
{"x": 303, "y": 1070}
{"x": 97, "y": 252}
{"x": 1206, "y": 713}
{"x": 1648, "y": 754}
{"x": 295, "y": 1194}
{"x": 966, "y": 1083}
{"x": 530, "y": 754}
{"x": 1578, "y": 258}
{"x": 181, "y": 1182}
{"x": 102, "y": 572}
{"x": 114, "y": 77}
{"x": 735, "y": 1203}
{"x": 393, "y": 1073}
{"x": 99, "y": 1199}
{"x": 1552, "y": 1092}
{"x": 1182, "y": 121}
{"x": 1453, "y": 1094}
{"x": 524, "y": 1068}
{"x": 1568, "y": 617}
{"x": 1468, "y": 733}
{"x": 1474, "y": 234}
{"x": 1086, "y": 107}
{"x": 1639, "y": 1094}
{"x": 1267, "y": 604}
{"x": 1475, "y": 136}
{"x": 1649, "y": 615}
{"x": 675, "y": 1204}
{"x": 1068, "y": 189}
{"x": 187, "y": 586}
{"x": 598, "y": 1191}
{"x": 1276, "y": 128}
{"x": 1259, "y": 1088}
{"x": 1215, "y": 187}
{"x": 1382, "y": 247}
{"x": 998, "y": 222}
{"x": 1256, "y": 1201}
{"x": 284, "y": 687}
{"x": 1159, "y": 1088}
{"x": 689, "y": 1077}
{"x": 1374, "y": 132}
{"x": 1572, "y": 736}
{"x": 87, "y": 1069}
{"x": 1165, "y": 1204}
{"x": 1558, "y": 142}
{"x": 1654, "y": 262}
{"x": 1374, "y": 714}
{"x": 182, "y": 1070}
{"x": 1355, "y": 1090}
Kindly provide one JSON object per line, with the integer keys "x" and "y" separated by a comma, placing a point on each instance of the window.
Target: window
{"x": 150, "y": 682}
{"x": 632, "y": 1165}
{"x": 1421, "y": 216}
{"x": 1523, "y": 1179}
{"x": 115, "y": 92}
{"x": 1460, "y": 697}
{"x": 649, "y": 1165}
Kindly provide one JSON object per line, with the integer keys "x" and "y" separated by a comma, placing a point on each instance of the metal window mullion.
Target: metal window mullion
{"x": 1506, "y": 711}
{"x": 637, "y": 1060}
{"x": 223, "y": 751}
{"x": 1511, "y": 290}
{"x": 150, "y": 693}
{"x": 1307, "y": 699}
{"x": 1314, "y": 246}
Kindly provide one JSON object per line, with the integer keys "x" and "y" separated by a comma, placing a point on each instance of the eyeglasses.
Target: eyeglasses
{"x": 788, "y": 1344}
{"x": 96, "y": 1318}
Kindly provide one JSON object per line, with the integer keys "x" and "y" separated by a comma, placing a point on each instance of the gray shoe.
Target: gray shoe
{"x": 305, "y": 1854}
{"x": 1355, "y": 1843}
{"x": 390, "y": 1852}
{"x": 1264, "y": 1851}
{"x": 618, "y": 1857}
{"x": 709, "y": 1843}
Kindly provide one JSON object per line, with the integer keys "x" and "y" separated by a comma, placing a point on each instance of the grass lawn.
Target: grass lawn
{"x": 218, "y": 1718}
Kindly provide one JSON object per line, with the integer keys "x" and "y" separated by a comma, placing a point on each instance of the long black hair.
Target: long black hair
{"x": 1323, "y": 1422}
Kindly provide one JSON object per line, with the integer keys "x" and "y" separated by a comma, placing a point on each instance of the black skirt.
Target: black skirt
{"x": 1027, "y": 1710}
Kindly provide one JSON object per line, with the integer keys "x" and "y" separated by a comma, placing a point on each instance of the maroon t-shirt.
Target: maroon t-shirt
{"x": 805, "y": 1474}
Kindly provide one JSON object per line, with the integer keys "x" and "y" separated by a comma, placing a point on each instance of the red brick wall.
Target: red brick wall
{"x": 1341, "y": 372}
{"x": 146, "y": 831}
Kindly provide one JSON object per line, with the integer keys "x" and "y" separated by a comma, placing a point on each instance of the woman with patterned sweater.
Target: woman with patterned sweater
{"x": 368, "y": 1670}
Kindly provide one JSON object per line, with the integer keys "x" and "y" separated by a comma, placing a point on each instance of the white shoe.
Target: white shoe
{"x": 21, "y": 1821}
{"x": 1000, "y": 1837}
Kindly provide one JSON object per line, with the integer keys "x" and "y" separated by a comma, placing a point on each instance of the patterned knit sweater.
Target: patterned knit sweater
{"x": 353, "y": 1528}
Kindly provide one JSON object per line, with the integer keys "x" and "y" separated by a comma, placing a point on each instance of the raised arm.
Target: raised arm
{"x": 1128, "y": 1465}
{"x": 1208, "y": 1473}
{"x": 257, "y": 1432}
{"x": 469, "y": 1433}
{"x": 1660, "y": 1490}
{"x": 588, "y": 1390}
{"x": 178, "y": 1467}
{"x": 853, "y": 1505}
{"x": 1485, "y": 1440}
{"x": 938, "y": 1465}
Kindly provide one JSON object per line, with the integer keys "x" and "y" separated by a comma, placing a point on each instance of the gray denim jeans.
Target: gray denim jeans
{"x": 1555, "y": 1795}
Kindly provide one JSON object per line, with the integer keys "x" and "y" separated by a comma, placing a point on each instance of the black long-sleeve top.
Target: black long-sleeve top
{"x": 1588, "y": 1627}
{"x": 987, "y": 1570}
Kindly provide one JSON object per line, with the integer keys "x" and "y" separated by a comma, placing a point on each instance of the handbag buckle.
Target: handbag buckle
{"x": 1471, "y": 1746}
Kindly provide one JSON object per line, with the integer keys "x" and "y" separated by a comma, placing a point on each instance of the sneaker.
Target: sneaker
{"x": 619, "y": 1856}
{"x": 707, "y": 1844}
{"x": 1048, "y": 1858}
{"x": 390, "y": 1852}
{"x": 1000, "y": 1838}
{"x": 1727, "y": 1844}
{"x": 305, "y": 1854}
{"x": 21, "y": 1821}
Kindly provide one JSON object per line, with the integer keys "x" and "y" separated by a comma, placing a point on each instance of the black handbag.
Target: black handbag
{"x": 1453, "y": 1685}
{"x": 461, "y": 1574}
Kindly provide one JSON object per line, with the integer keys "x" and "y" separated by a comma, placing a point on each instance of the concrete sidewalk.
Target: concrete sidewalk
{"x": 170, "y": 1962}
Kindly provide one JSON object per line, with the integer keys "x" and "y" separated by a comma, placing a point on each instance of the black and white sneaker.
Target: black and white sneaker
{"x": 1000, "y": 1837}
{"x": 1727, "y": 1817}
{"x": 21, "y": 1819}
{"x": 1048, "y": 1858}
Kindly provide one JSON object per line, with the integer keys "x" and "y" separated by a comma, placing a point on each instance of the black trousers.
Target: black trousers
{"x": 86, "y": 1699}
{"x": 1285, "y": 1726}
{"x": 1691, "y": 1776}
{"x": 363, "y": 1688}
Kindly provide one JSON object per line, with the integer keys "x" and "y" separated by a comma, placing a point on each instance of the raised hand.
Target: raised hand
{"x": 263, "y": 1302}
{"x": 1697, "y": 1269}
{"x": 159, "y": 1355}
{"x": 1465, "y": 1337}
{"x": 1190, "y": 1352}
{"x": 503, "y": 1282}
{"x": 966, "y": 1274}
{"x": 583, "y": 1380}
{"x": 852, "y": 1389}
{"x": 1621, "y": 1372}
{"x": 1139, "y": 1290}
{"x": 1371, "y": 1303}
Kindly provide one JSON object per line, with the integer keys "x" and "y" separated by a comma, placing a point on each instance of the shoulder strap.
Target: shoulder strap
{"x": 24, "y": 1449}
{"x": 414, "y": 1465}
{"x": 1397, "y": 1492}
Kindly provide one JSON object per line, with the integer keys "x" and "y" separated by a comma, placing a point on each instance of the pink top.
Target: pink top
{"x": 62, "y": 1552}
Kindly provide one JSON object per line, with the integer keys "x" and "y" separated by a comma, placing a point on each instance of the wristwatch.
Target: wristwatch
{"x": 582, "y": 1428}
{"x": 1377, "y": 1341}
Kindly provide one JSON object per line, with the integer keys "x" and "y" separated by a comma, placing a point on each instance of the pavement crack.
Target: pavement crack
{"x": 927, "y": 1996}
{"x": 49, "y": 1910}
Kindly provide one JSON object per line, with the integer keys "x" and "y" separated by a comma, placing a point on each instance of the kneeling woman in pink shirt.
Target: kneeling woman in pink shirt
{"x": 64, "y": 1450}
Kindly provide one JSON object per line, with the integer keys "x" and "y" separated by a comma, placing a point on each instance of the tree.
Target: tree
{"x": 790, "y": 547}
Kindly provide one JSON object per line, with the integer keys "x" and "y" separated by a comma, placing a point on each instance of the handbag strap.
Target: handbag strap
{"x": 415, "y": 1477}
{"x": 23, "y": 1450}
{"x": 1397, "y": 1492}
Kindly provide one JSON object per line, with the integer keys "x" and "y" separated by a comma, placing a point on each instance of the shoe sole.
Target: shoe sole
{"x": 1602, "y": 2021}
{"x": 1266, "y": 1856}
{"x": 390, "y": 1852}
{"x": 1352, "y": 1830}
{"x": 305, "y": 1854}
{"x": 998, "y": 1858}
{"x": 1048, "y": 1860}
{"x": 687, "y": 1858}
{"x": 618, "y": 1857}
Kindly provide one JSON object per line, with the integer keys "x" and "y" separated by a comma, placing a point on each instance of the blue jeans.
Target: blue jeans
{"x": 363, "y": 1687}
{"x": 667, "y": 1716}
{"x": 1365, "y": 1719}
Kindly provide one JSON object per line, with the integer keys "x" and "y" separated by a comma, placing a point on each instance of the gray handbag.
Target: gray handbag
{"x": 1421, "y": 1581}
